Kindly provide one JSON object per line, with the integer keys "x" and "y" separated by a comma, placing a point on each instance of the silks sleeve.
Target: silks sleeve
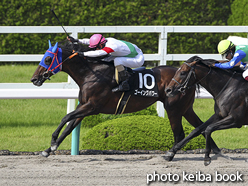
{"x": 238, "y": 55}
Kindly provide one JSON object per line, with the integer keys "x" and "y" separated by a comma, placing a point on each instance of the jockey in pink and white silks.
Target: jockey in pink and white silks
{"x": 123, "y": 53}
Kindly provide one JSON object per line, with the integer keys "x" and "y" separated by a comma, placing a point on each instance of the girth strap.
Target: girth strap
{"x": 122, "y": 102}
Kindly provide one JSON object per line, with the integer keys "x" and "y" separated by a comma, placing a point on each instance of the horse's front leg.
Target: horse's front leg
{"x": 225, "y": 123}
{"x": 54, "y": 143}
{"x": 61, "y": 125}
{"x": 56, "y": 133}
{"x": 66, "y": 132}
{"x": 77, "y": 116}
{"x": 71, "y": 126}
{"x": 46, "y": 152}
{"x": 79, "y": 113}
{"x": 175, "y": 119}
{"x": 196, "y": 132}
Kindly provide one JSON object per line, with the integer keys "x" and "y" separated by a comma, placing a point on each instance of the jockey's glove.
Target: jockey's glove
{"x": 243, "y": 65}
{"x": 79, "y": 53}
{"x": 73, "y": 40}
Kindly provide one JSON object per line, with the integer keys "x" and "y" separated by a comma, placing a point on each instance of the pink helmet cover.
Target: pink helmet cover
{"x": 96, "y": 39}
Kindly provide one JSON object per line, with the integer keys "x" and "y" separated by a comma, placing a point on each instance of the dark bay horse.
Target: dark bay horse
{"x": 230, "y": 92}
{"x": 95, "y": 80}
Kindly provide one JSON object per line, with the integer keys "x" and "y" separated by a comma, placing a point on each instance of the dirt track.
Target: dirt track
{"x": 121, "y": 170}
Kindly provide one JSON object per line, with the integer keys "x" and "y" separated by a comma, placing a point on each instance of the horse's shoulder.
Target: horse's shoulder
{"x": 165, "y": 68}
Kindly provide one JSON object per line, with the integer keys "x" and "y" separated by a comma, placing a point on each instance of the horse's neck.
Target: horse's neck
{"x": 215, "y": 81}
{"x": 80, "y": 71}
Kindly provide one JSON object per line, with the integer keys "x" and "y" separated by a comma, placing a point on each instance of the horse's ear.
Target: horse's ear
{"x": 194, "y": 62}
{"x": 55, "y": 48}
{"x": 49, "y": 42}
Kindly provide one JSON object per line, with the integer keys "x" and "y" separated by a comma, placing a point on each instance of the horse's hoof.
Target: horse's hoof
{"x": 169, "y": 156}
{"x": 207, "y": 161}
{"x": 54, "y": 147}
{"x": 44, "y": 154}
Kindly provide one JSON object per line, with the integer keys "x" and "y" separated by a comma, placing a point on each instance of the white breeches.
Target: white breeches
{"x": 134, "y": 62}
{"x": 245, "y": 74}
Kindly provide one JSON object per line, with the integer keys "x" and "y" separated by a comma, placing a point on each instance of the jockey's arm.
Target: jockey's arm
{"x": 98, "y": 53}
{"x": 85, "y": 41}
{"x": 238, "y": 55}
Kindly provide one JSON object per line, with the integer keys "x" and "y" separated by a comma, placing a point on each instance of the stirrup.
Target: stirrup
{"x": 123, "y": 75}
{"x": 123, "y": 87}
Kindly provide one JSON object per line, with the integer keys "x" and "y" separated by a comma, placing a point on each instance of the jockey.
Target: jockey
{"x": 236, "y": 54}
{"x": 123, "y": 53}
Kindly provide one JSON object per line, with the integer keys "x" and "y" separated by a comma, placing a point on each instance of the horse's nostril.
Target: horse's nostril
{"x": 33, "y": 80}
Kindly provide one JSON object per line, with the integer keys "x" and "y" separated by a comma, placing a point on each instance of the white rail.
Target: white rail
{"x": 69, "y": 90}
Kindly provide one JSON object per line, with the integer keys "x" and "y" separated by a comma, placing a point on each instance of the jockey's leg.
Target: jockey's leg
{"x": 121, "y": 76}
{"x": 120, "y": 64}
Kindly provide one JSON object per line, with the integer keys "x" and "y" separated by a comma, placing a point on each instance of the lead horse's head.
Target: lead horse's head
{"x": 50, "y": 64}
{"x": 181, "y": 80}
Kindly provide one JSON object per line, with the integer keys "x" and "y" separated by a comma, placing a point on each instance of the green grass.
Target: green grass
{"x": 18, "y": 73}
{"x": 27, "y": 124}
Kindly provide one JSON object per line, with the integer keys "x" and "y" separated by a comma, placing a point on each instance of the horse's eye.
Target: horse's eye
{"x": 48, "y": 60}
{"x": 183, "y": 73}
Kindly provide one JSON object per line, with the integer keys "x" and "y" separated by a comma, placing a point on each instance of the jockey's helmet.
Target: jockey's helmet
{"x": 224, "y": 46}
{"x": 96, "y": 39}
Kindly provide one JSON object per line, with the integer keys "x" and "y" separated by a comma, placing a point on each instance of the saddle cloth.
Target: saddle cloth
{"x": 143, "y": 83}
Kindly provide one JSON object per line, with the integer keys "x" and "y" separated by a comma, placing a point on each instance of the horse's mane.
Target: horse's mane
{"x": 210, "y": 62}
{"x": 66, "y": 45}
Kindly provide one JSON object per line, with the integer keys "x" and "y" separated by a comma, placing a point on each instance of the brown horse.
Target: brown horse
{"x": 95, "y": 79}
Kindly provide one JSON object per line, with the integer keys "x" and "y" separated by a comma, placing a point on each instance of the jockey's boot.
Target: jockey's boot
{"x": 122, "y": 79}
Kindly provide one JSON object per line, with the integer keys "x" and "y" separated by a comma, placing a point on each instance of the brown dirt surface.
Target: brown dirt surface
{"x": 123, "y": 169}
